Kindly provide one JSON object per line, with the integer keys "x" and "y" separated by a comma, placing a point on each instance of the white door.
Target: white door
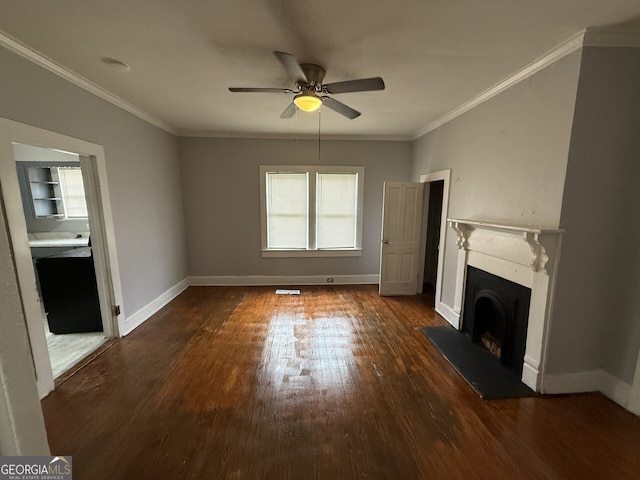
{"x": 401, "y": 238}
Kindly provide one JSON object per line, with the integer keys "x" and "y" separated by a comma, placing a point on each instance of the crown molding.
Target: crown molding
{"x": 589, "y": 37}
{"x": 562, "y": 50}
{"x": 41, "y": 60}
{"x": 598, "y": 37}
{"x": 293, "y": 136}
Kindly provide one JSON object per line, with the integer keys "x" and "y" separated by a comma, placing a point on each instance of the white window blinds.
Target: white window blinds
{"x": 336, "y": 210}
{"x": 287, "y": 210}
{"x": 72, "y": 190}
{"x": 311, "y": 210}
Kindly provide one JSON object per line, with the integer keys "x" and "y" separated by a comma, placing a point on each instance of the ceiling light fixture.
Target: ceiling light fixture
{"x": 308, "y": 101}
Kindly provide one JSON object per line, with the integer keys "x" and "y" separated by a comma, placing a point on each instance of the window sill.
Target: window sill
{"x": 353, "y": 252}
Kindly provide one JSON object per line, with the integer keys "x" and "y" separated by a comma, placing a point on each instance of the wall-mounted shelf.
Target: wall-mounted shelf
{"x": 46, "y": 197}
{"x": 51, "y": 192}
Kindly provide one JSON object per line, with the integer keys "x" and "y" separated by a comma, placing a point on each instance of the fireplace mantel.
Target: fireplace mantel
{"x": 532, "y": 235}
{"x": 524, "y": 254}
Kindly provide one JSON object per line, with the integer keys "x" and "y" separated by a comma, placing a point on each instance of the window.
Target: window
{"x": 72, "y": 189}
{"x": 57, "y": 192}
{"x": 311, "y": 211}
{"x": 287, "y": 208}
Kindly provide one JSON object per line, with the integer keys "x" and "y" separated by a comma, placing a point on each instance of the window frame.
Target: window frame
{"x": 312, "y": 250}
{"x": 64, "y": 192}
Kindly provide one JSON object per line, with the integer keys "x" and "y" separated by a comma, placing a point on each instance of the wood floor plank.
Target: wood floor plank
{"x": 334, "y": 383}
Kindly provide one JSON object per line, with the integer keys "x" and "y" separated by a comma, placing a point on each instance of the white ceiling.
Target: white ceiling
{"x": 434, "y": 55}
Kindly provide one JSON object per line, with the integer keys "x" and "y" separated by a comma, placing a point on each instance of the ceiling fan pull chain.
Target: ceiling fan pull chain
{"x": 319, "y": 117}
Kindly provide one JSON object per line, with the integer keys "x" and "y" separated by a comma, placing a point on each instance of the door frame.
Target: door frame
{"x": 103, "y": 242}
{"x": 442, "y": 175}
{"x": 633, "y": 403}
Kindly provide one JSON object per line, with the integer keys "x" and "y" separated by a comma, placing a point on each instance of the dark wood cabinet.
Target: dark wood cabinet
{"x": 69, "y": 291}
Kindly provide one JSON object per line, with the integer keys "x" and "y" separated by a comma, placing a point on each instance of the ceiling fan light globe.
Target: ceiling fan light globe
{"x": 307, "y": 103}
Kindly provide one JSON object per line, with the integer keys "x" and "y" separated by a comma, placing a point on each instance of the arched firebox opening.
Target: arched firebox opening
{"x": 496, "y": 316}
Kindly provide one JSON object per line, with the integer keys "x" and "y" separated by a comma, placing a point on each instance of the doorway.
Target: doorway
{"x": 432, "y": 245}
{"x": 405, "y": 232}
{"x": 434, "y": 234}
{"x": 57, "y": 219}
{"x": 100, "y": 225}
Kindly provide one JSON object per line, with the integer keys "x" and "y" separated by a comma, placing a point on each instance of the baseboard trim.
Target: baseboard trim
{"x": 267, "y": 280}
{"x": 593, "y": 381}
{"x": 615, "y": 389}
{"x": 530, "y": 372}
{"x": 134, "y": 321}
{"x": 571, "y": 382}
{"x": 446, "y": 312}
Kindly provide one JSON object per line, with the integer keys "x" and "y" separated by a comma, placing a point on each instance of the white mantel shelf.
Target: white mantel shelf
{"x": 505, "y": 226}
{"x": 532, "y": 235}
{"x": 524, "y": 254}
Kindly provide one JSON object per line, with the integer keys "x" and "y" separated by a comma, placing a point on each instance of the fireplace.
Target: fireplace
{"x": 496, "y": 313}
{"x": 516, "y": 329}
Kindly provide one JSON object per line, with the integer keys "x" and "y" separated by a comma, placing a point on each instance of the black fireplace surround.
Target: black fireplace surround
{"x": 496, "y": 313}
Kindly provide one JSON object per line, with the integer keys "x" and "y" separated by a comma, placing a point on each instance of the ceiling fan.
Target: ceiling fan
{"x": 310, "y": 92}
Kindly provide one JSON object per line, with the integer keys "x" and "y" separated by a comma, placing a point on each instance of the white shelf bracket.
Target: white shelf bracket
{"x": 539, "y": 258}
{"x": 462, "y": 232}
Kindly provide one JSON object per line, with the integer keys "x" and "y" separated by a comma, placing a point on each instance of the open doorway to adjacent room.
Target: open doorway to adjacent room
{"x": 58, "y": 214}
{"x": 433, "y": 216}
{"x": 434, "y": 237}
{"x": 57, "y": 219}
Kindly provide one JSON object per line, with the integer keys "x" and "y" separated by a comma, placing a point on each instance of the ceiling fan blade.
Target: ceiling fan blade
{"x": 289, "y": 111}
{"x": 361, "y": 85}
{"x": 340, "y": 107}
{"x": 292, "y": 66}
{"x": 261, "y": 90}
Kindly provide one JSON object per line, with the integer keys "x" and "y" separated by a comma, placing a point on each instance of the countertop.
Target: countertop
{"x": 59, "y": 242}
{"x": 82, "y": 252}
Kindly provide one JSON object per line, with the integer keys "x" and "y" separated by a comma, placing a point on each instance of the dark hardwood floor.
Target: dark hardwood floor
{"x": 336, "y": 383}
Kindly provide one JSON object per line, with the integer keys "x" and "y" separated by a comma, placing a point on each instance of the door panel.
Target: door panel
{"x": 401, "y": 238}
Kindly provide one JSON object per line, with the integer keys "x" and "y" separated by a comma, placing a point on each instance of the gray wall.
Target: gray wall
{"x": 596, "y": 322}
{"x": 222, "y": 201}
{"x": 143, "y": 172}
{"x": 508, "y": 155}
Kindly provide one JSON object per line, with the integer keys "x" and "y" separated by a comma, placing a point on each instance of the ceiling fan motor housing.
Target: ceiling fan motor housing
{"x": 314, "y": 73}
